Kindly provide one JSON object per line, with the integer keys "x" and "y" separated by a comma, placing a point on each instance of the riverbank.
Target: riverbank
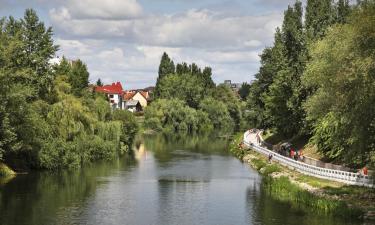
{"x": 322, "y": 196}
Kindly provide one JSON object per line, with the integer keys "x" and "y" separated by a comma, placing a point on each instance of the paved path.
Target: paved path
{"x": 250, "y": 139}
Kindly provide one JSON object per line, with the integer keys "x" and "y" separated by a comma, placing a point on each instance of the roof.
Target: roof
{"x": 114, "y": 88}
{"x": 130, "y": 94}
{"x": 132, "y": 103}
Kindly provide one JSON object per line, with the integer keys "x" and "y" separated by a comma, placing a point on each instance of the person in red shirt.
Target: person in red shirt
{"x": 365, "y": 171}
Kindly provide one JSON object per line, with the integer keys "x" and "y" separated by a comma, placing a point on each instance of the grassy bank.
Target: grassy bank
{"x": 308, "y": 193}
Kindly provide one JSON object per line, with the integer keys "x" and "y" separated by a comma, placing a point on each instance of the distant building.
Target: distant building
{"x": 114, "y": 92}
{"x": 133, "y": 106}
{"x": 234, "y": 86}
{"x": 141, "y": 96}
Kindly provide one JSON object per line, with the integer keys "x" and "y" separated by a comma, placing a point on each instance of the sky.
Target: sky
{"x": 123, "y": 40}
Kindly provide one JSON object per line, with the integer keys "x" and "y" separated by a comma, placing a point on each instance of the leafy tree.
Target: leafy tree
{"x": 78, "y": 77}
{"x": 99, "y": 83}
{"x": 319, "y": 16}
{"x": 187, "y": 88}
{"x": 283, "y": 102}
{"x": 244, "y": 90}
{"x": 166, "y": 67}
{"x": 129, "y": 125}
{"x": 39, "y": 49}
{"x": 342, "y": 73}
{"x": 224, "y": 94}
{"x": 218, "y": 113}
{"x": 173, "y": 115}
{"x": 343, "y": 11}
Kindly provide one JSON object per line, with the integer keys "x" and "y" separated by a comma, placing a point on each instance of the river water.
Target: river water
{"x": 168, "y": 181}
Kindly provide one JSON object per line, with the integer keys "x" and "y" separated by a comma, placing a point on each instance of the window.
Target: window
{"x": 110, "y": 96}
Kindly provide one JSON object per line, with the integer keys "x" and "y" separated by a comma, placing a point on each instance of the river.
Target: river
{"x": 168, "y": 181}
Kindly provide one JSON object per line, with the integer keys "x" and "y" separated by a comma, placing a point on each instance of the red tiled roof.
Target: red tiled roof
{"x": 114, "y": 88}
{"x": 129, "y": 95}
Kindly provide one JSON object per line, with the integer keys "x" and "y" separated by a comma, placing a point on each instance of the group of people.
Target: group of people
{"x": 296, "y": 155}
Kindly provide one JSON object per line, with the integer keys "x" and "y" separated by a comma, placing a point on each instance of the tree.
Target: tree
{"x": 166, "y": 67}
{"x": 342, "y": 73}
{"x": 218, "y": 113}
{"x": 78, "y": 77}
{"x": 99, "y": 83}
{"x": 319, "y": 16}
{"x": 244, "y": 90}
{"x": 129, "y": 125}
{"x": 187, "y": 88}
{"x": 39, "y": 49}
{"x": 283, "y": 101}
{"x": 343, "y": 11}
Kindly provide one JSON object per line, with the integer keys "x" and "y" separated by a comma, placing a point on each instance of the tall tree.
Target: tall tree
{"x": 99, "y": 83}
{"x": 319, "y": 15}
{"x": 78, "y": 77}
{"x": 283, "y": 102}
{"x": 39, "y": 49}
{"x": 343, "y": 11}
{"x": 342, "y": 72}
{"x": 166, "y": 67}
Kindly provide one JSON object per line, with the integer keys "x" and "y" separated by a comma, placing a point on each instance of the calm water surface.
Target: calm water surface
{"x": 169, "y": 181}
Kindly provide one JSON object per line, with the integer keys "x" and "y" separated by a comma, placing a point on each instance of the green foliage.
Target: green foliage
{"x": 284, "y": 190}
{"x": 166, "y": 67}
{"x": 191, "y": 86}
{"x": 319, "y": 15}
{"x": 99, "y": 83}
{"x": 341, "y": 72}
{"x": 129, "y": 125}
{"x": 244, "y": 91}
{"x": 78, "y": 77}
{"x": 48, "y": 118}
{"x": 187, "y": 88}
{"x": 174, "y": 116}
{"x": 217, "y": 112}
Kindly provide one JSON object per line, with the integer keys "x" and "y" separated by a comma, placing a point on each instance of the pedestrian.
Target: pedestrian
{"x": 301, "y": 157}
{"x": 270, "y": 156}
{"x": 292, "y": 153}
{"x": 365, "y": 171}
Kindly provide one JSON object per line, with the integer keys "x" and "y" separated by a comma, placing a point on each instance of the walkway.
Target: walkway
{"x": 250, "y": 140}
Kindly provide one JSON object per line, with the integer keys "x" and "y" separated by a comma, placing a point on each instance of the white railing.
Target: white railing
{"x": 329, "y": 174}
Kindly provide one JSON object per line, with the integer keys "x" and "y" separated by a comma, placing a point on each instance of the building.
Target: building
{"x": 141, "y": 96}
{"x": 234, "y": 86}
{"x": 133, "y": 106}
{"x": 114, "y": 92}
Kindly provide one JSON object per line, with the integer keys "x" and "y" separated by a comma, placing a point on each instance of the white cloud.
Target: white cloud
{"x": 120, "y": 48}
{"x": 105, "y": 9}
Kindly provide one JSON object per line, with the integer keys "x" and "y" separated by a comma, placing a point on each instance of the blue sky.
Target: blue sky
{"x": 123, "y": 40}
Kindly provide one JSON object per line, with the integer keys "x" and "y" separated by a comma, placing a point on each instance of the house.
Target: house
{"x": 114, "y": 92}
{"x": 141, "y": 96}
{"x": 133, "y": 106}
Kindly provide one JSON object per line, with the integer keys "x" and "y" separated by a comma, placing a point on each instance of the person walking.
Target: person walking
{"x": 270, "y": 156}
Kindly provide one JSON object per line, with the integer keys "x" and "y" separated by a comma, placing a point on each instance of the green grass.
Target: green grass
{"x": 282, "y": 189}
{"x": 317, "y": 182}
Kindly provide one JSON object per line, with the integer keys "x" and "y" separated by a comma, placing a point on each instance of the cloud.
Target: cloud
{"x": 108, "y": 9}
{"x": 127, "y": 47}
{"x": 194, "y": 28}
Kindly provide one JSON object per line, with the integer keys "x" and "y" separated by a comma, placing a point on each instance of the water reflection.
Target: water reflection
{"x": 170, "y": 180}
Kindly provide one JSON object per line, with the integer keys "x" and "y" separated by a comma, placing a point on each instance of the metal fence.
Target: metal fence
{"x": 329, "y": 174}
